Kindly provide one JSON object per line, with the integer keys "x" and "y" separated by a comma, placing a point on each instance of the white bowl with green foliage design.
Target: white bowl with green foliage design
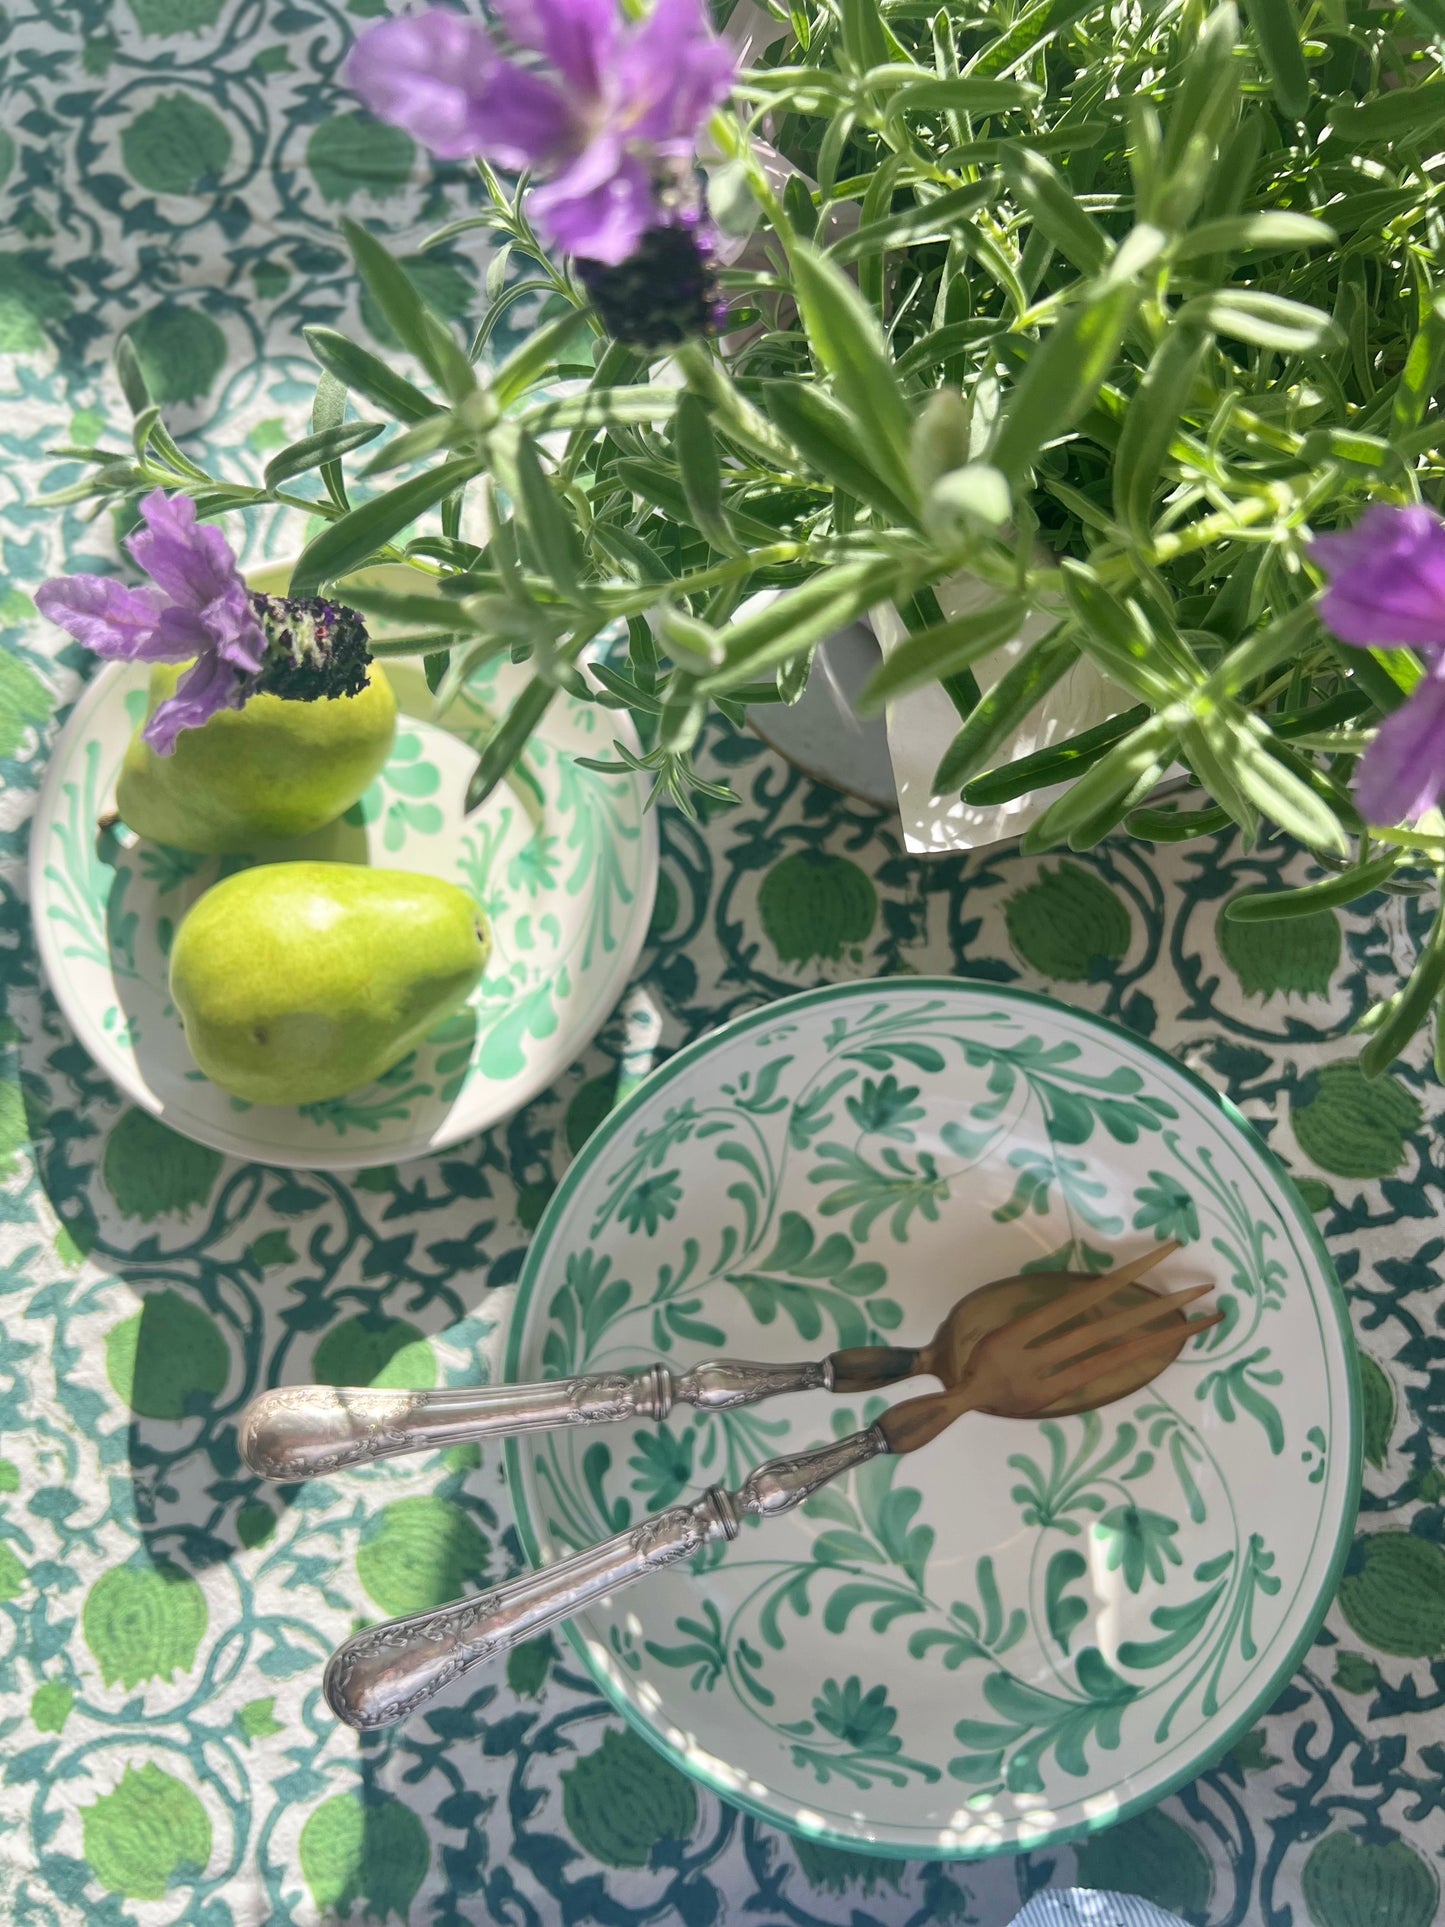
{"x": 1031, "y": 1629}
{"x": 562, "y": 858}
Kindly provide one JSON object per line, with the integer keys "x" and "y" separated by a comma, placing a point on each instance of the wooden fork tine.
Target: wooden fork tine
{"x": 1085, "y": 1295}
{"x": 1087, "y": 1338}
{"x": 1125, "y": 1274}
{"x": 1073, "y": 1377}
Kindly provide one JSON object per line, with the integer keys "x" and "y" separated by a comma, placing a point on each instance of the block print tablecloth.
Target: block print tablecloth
{"x": 174, "y": 168}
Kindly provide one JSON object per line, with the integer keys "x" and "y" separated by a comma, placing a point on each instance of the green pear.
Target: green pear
{"x": 273, "y": 768}
{"x": 301, "y": 981}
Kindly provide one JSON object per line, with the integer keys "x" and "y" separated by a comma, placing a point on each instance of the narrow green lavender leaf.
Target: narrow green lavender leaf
{"x": 1274, "y": 789}
{"x": 328, "y": 410}
{"x": 1208, "y": 750}
{"x": 846, "y": 337}
{"x": 1278, "y": 36}
{"x": 1004, "y": 707}
{"x": 312, "y": 450}
{"x": 1272, "y": 906}
{"x": 1204, "y": 96}
{"x": 1150, "y": 424}
{"x": 1064, "y": 373}
{"x": 1055, "y": 208}
{"x": 500, "y": 755}
{"x": 1271, "y": 231}
{"x": 422, "y": 438}
{"x": 1056, "y": 764}
{"x": 538, "y": 354}
{"x": 700, "y": 467}
{"x": 365, "y": 373}
{"x": 941, "y": 650}
{"x": 864, "y": 41}
{"x": 1420, "y": 377}
{"x": 1038, "y": 24}
{"x": 1259, "y": 653}
{"x": 1264, "y": 320}
{"x": 801, "y": 618}
{"x": 420, "y": 331}
{"x": 131, "y": 376}
{"x": 1410, "y": 1006}
{"x": 1097, "y": 800}
{"x": 1175, "y": 826}
{"x": 1402, "y": 114}
{"x": 963, "y": 94}
{"x": 1117, "y": 636}
{"x": 828, "y": 439}
{"x": 355, "y": 538}
{"x": 910, "y": 226}
{"x": 549, "y": 525}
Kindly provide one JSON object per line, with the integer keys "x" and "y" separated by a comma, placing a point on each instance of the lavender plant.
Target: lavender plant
{"x": 1133, "y": 312}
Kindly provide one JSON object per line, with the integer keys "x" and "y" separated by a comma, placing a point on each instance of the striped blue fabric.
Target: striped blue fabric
{"x": 1082, "y": 1907}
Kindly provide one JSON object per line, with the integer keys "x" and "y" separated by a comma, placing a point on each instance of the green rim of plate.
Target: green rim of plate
{"x": 617, "y": 1120}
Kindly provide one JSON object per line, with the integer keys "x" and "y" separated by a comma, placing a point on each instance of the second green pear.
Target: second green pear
{"x": 271, "y": 769}
{"x": 298, "y": 982}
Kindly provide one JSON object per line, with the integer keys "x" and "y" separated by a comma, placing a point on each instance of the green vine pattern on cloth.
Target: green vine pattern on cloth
{"x": 174, "y": 168}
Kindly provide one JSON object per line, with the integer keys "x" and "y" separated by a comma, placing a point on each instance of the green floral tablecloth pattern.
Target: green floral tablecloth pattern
{"x": 174, "y": 167}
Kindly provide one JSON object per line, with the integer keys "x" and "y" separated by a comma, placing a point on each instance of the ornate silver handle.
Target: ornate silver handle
{"x": 381, "y": 1675}
{"x": 306, "y": 1431}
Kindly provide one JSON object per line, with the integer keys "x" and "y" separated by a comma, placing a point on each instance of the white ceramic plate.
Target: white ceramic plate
{"x": 563, "y": 859}
{"x": 1030, "y": 1629}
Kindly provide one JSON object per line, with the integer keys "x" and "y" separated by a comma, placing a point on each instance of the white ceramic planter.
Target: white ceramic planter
{"x": 921, "y": 727}
{"x": 894, "y": 762}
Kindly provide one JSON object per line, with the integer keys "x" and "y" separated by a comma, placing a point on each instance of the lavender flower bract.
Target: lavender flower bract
{"x": 605, "y": 114}
{"x": 199, "y": 607}
{"x": 1387, "y": 591}
{"x": 244, "y": 644}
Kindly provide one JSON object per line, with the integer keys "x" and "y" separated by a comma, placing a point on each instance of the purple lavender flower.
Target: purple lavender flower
{"x": 199, "y": 607}
{"x": 1386, "y": 591}
{"x": 606, "y": 114}
{"x": 243, "y": 644}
